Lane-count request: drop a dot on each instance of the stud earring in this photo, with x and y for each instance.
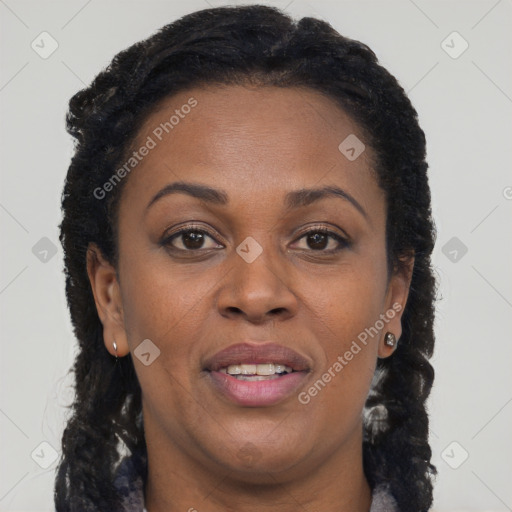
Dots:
(390, 339)
(114, 344)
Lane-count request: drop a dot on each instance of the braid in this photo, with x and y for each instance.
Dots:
(396, 450)
(262, 46)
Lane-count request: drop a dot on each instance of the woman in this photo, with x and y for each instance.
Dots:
(247, 235)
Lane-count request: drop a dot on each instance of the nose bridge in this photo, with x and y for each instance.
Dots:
(257, 285)
(256, 264)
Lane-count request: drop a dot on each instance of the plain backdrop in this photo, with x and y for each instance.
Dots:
(453, 58)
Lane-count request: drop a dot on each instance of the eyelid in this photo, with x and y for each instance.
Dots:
(324, 228)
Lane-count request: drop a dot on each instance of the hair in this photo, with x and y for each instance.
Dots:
(261, 46)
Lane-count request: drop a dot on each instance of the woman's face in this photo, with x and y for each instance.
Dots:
(255, 284)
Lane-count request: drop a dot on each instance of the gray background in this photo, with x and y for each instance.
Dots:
(464, 102)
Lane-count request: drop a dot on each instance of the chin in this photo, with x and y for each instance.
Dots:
(260, 463)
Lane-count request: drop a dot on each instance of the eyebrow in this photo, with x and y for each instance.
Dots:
(294, 199)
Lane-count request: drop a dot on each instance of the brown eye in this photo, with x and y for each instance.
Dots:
(190, 240)
(193, 239)
(317, 240)
(321, 240)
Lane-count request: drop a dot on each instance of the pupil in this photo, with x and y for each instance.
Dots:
(319, 241)
(193, 240)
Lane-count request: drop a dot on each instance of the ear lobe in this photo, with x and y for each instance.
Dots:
(396, 300)
(107, 297)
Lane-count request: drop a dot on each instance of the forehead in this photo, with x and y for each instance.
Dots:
(245, 138)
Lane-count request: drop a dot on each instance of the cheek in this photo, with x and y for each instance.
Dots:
(348, 300)
(159, 299)
(164, 305)
(341, 385)
(346, 311)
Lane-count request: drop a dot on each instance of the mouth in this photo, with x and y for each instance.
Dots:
(256, 375)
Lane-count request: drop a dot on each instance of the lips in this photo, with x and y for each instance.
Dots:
(261, 353)
(257, 391)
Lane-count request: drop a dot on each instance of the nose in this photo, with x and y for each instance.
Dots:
(258, 291)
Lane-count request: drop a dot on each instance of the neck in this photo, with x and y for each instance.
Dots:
(177, 482)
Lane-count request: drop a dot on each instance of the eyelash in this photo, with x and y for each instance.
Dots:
(343, 242)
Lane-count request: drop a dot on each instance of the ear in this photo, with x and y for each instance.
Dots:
(107, 296)
(396, 299)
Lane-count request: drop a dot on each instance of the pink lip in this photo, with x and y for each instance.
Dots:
(255, 353)
(260, 393)
(257, 393)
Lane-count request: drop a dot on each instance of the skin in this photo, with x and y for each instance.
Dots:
(256, 144)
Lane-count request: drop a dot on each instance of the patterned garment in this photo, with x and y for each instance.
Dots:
(132, 490)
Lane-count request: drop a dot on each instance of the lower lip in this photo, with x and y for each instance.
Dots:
(260, 393)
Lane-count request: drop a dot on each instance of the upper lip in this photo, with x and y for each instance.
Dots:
(256, 353)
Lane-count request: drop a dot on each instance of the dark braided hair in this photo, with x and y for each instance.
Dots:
(239, 45)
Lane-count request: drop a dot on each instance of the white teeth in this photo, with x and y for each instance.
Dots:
(234, 369)
(248, 369)
(265, 369)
